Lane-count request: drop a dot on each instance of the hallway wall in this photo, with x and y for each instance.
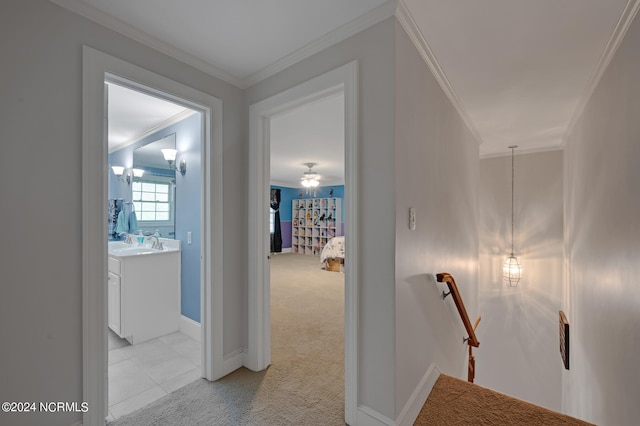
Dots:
(444, 193)
(518, 334)
(41, 114)
(602, 237)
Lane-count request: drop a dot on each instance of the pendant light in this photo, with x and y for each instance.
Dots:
(511, 270)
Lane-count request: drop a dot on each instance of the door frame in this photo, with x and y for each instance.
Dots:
(97, 68)
(344, 78)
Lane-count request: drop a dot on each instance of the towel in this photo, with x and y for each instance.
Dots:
(122, 225)
(133, 223)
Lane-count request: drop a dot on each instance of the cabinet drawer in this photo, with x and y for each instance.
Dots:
(114, 265)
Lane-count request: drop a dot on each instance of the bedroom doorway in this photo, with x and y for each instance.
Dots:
(340, 83)
(307, 295)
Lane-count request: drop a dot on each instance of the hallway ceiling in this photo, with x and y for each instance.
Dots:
(517, 70)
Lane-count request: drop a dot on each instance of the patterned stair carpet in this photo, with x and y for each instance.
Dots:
(304, 384)
(455, 402)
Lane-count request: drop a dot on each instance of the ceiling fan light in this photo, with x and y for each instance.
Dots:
(310, 179)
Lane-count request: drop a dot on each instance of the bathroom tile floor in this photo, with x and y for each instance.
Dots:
(140, 374)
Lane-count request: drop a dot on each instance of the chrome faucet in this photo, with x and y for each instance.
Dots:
(127, 239)
(156, 244)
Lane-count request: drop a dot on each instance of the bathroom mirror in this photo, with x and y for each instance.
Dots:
(154, 193)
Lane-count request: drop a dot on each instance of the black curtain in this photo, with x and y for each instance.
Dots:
(276, 238)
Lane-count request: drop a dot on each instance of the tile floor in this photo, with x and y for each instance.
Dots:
(142, 373)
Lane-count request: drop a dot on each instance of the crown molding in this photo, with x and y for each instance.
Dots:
(411, 28)
(379, 14)
(156, 128)
(96, 15)
(626, 18)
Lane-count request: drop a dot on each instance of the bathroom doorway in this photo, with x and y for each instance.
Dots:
(98, 69)
(154, 255)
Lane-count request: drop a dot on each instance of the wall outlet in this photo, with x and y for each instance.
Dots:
(412, 219)
(189, 238)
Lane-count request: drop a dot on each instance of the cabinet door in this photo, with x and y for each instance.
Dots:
(113, 297)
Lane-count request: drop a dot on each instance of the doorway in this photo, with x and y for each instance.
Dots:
(307, 296)
(153, 298)
(343, 79)
(98, 68)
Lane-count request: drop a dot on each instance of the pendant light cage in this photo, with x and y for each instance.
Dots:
(512, 270)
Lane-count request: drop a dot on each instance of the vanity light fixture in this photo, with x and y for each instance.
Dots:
(120, 171)
(137, 172)
(170, 155)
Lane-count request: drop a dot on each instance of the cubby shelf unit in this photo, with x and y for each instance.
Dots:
(315, 222)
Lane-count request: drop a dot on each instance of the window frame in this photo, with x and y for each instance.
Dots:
(171, 194)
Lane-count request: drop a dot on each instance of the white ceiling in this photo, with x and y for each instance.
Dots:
(312, 133)
(517, 70)
(133, 114)
(519, 67)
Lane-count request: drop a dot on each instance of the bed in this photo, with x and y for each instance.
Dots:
(334, 250)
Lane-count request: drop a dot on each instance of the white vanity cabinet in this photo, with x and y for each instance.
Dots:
(113, 302)
(144, 295)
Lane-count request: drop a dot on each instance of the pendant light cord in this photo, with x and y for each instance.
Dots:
(512, 185)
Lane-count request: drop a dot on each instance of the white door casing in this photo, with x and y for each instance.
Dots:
(98, 68)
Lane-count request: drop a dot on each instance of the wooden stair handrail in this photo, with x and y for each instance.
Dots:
(445, 277)
(471, 330)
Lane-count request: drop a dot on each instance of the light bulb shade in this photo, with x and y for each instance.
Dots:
(117, 170)
(137, 172)
(169, 154)
(309, 183)
(511, 271)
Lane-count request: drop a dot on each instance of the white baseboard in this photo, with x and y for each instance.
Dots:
(190, 328)
(235, 360)
(284, 250)
(365, 416)
(411, 409)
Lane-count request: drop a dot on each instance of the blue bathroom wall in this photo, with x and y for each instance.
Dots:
(188, 210)
(188, 201)
(289, 194)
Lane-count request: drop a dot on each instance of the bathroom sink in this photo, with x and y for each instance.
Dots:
(121, 249)
(130, 251)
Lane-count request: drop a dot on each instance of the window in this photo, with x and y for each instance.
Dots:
(152, 201)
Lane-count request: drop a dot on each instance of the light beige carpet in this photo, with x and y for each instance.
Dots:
(454, 402)
(304, 384)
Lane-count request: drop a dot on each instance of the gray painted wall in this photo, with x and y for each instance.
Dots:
(519, 328)
(40, 130)
(602, 231)
(436, 170)
(373, 48)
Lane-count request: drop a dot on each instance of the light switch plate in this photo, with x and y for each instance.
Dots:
(189, 238)
(412, 219)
